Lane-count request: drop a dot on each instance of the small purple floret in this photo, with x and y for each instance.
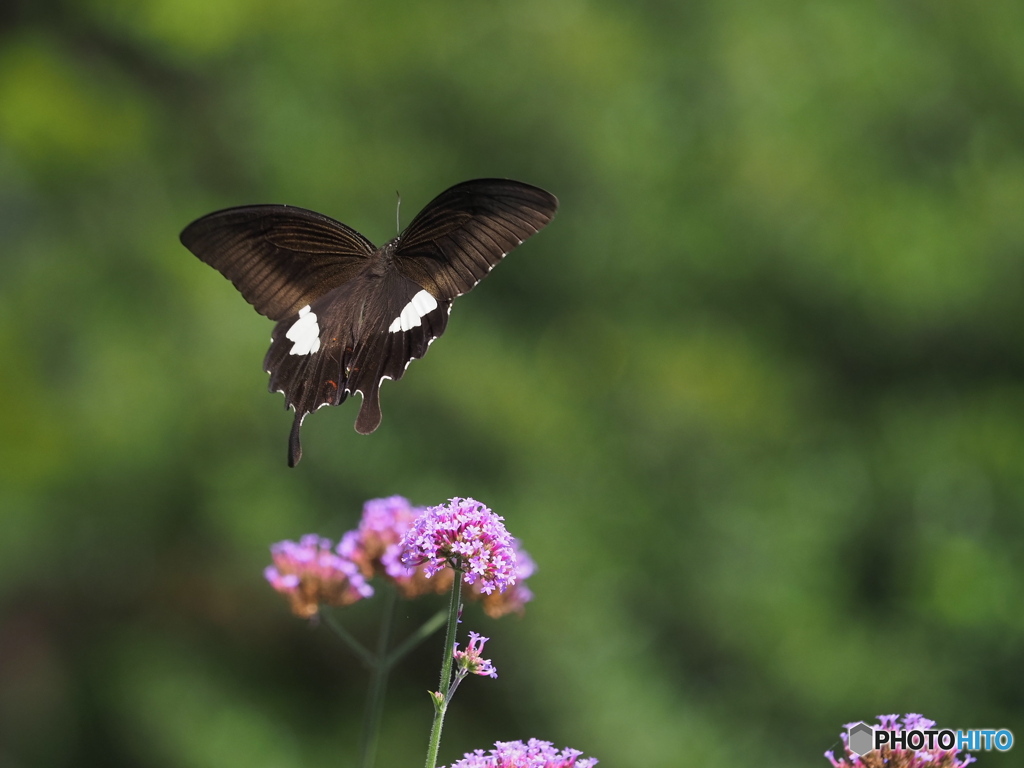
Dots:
(471, 660)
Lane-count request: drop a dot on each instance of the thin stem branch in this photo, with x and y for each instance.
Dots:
(354, 645)
(430, 626)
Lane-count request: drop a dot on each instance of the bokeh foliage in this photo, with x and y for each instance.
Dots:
(753, 402)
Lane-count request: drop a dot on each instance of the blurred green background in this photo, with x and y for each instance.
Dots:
(753, 401)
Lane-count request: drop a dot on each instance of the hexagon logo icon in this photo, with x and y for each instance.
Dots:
(861, 738)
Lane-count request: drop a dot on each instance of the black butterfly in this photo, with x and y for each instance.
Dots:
(350, 315)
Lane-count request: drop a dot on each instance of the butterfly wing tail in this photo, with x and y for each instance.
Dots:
(294, 446)
(369, 413)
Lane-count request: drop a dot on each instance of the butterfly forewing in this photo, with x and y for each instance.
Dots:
(351, 315)
(457, 239)
(279, 257)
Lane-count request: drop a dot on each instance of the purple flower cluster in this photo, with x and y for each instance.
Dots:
(309, 574)
(887, 757)
(470, 659)
(466, 536)
(516, 754)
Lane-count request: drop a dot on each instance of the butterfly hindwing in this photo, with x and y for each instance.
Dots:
(465, 231)
(279, 257)
(365, 330)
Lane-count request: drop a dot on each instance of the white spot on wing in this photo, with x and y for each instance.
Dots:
(413, 312)
(305, 332)
(430, 341)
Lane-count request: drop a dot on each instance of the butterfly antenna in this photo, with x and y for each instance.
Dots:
(398, 212)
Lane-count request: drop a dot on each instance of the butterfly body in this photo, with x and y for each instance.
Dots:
(350, 315)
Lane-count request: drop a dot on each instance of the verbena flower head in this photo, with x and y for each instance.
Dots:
(532, 754)
(309, 574)
(887, 757)
(467, 536)
(470, 659)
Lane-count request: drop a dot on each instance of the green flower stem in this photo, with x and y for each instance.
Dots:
(378, 684)
(441, 703)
